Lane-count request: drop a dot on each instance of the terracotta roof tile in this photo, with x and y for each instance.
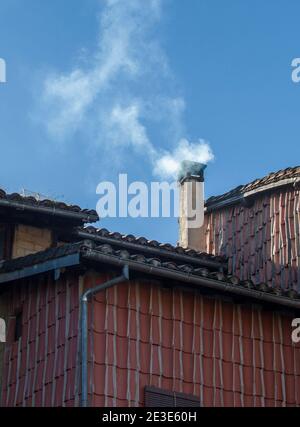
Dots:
(163, 248)
(187, 270)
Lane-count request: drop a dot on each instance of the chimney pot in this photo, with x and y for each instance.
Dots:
(190, 169)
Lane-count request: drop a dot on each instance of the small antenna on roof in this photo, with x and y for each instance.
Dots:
(39, 197)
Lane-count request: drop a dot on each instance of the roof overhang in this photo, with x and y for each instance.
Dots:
(216, 282)
(51, 265)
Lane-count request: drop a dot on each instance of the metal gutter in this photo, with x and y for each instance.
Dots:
(195, 281)
(84, 327)
(49, 211)
(224, 203)
(154, 251)
(54, 264)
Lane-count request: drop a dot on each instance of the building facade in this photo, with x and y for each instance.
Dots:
(187, 329)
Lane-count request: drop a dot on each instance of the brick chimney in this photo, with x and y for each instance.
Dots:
(191, 204)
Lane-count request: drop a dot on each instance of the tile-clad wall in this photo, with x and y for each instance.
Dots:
(5, 310)
(40, 369)
(143, 334)
(262, 242)
(223, 353)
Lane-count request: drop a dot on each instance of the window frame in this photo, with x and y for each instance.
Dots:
(170, 397)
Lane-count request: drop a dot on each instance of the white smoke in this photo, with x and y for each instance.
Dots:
(124, 90)
(168, 165)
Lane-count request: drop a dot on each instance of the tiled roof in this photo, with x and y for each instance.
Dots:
(45, 206)
(189, 272)
(143, 244)
(272, 178)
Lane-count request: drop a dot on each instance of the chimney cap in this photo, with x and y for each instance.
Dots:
(190, 169)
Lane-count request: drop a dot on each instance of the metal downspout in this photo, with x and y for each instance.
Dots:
(84, 328)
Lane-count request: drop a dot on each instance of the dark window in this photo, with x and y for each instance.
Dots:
(2, 242)
(6, 234)
(18, 326)
(156, 397)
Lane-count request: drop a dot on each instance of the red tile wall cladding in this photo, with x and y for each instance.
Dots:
(262, 243)
(41, 367)
(143, 334)
(226, 354)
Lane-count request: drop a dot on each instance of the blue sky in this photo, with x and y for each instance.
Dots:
(99, 87)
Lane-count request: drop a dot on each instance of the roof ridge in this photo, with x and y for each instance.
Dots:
(272, 177)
